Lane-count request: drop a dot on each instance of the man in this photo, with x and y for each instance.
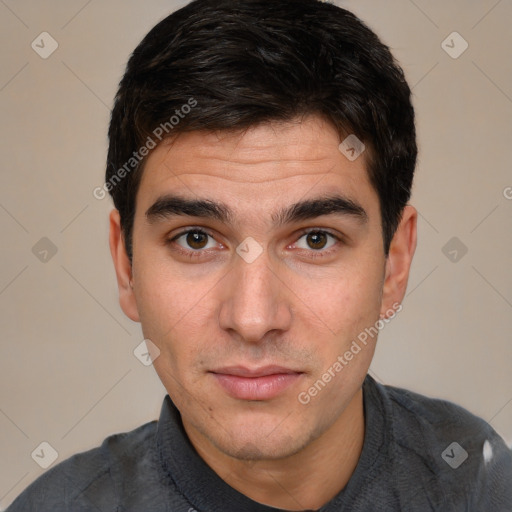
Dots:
(261, 159)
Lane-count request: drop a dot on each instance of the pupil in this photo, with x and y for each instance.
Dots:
(317, 239)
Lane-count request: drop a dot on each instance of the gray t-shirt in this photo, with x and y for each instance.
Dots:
(419, 454)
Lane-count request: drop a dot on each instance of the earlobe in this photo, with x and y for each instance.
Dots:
(123, 268)
(399, 260)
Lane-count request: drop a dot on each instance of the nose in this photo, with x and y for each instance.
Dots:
(255, 300)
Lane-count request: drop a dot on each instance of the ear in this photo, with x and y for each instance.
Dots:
(398, 263)
(123, 268)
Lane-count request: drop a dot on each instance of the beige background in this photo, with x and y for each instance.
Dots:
(68, 375)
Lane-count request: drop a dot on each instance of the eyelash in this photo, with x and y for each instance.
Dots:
(198, 253)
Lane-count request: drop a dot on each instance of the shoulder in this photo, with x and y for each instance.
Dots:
(463, 455)
(89, 479)
(435, 419)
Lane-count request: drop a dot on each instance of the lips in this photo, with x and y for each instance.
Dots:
(262, 383)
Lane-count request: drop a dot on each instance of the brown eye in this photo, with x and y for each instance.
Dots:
(194, 240)
(316, 239)
(197, 239)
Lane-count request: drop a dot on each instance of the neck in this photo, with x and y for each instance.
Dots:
(306, 480)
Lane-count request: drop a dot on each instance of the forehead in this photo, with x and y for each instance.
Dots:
(263, 164)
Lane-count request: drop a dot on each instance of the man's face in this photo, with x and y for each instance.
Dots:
(242, 334)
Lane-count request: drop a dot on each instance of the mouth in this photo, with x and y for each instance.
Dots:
(262, 383)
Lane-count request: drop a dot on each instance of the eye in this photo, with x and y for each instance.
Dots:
(317, 240)
(194, 239)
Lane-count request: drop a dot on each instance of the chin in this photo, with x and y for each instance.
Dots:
(261, 441)
(262, 449)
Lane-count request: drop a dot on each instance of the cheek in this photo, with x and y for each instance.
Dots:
(343, 300)
(171, 319)
(344, 352)
(164, 296)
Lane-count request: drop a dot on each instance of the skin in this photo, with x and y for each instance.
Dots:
(285, 308)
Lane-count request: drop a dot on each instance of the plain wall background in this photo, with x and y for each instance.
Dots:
(68, 375)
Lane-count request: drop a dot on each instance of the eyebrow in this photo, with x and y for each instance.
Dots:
(169, 206)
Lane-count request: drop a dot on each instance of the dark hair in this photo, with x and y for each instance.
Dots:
(231, 64)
